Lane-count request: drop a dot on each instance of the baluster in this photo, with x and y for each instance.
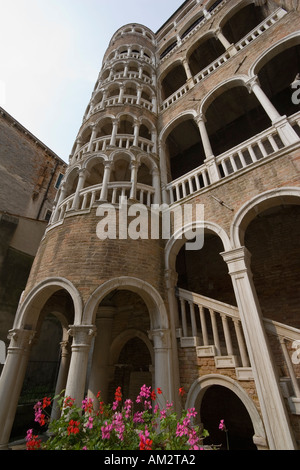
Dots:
(93, 198)
(203, 325)
(227, 334)
(193, 318)
(241, 342)
(215, 332)
(183, 317)
(83, 205)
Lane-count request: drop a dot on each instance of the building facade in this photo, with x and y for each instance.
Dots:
(199, 119)
(30, 174)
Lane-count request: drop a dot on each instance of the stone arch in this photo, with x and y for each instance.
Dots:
(277, 47)
(188, 114)
(28, 312)
(179, 239)
(200, 386)
(154, 302)
(238, 80)
(123, 338)
(285, 195)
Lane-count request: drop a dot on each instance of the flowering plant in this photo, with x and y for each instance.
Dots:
(119, 426)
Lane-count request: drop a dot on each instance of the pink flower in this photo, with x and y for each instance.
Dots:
(222, 426)
(106, 430)
(89, 424)
(118, 425)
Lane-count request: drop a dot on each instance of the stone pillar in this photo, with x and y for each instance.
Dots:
(101, 370)
(134, 170)
(114, 132)
(81, 180)
(106, 179)
(163, 172)
(163, 363)
(156, 185)
(12, 378)
(93, 136)
(82, 339)
(229, 47)
(62, 377)
(210, 158)
(285, 130)
(276, 422)
(171, 277)
(62, 195)
(190, 80)
(136, 130)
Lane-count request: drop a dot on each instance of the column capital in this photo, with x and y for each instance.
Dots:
(238, 260)
(20, 338)
(251, 82)
(82, 334)
(161, 338)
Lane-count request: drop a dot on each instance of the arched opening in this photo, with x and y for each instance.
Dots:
(95, 170)
(277, 85)
(184, 148)
(122, 353)
(204, 53)
(175, 79)
(132, 370)
(121, 169)
(234, 116)
(204, 271)
(243, 21)
(219, 403)
(44, 364)
(273, 241)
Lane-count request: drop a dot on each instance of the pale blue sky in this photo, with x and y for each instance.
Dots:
(51, 53)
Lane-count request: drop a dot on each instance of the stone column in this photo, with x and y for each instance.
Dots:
(210, 158)
(82, 339)
(81, 180)
(136, 130)
(190, 80)
(62, 377)
(285, 130)
(156, 185)
(229, 47)
(93, 136)
(101, 370)
(106, 179)
(62, 195)
(171, 277)
(114, 132)
(163, 363)
(279, 433)
(134, 170)
(12, 378)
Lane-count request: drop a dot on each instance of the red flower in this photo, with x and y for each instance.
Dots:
(146, 444)
(153, 395)
(159, 391)
(118, 394)
(73, 427)
(181, 391)
(46, 402)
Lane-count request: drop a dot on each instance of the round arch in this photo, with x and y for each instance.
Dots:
(154, 302)
(28, 312)
(271, 198)
(238, 80)
(180, 237)
(200, 386)
(291, 40)
(120, 341)
(184, 116)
